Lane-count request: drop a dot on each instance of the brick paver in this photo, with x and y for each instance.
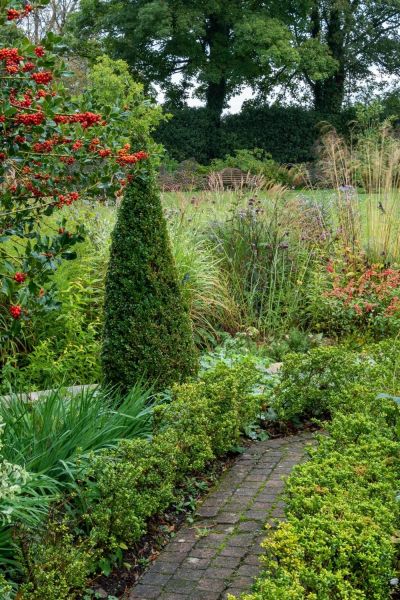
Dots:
(219, 553)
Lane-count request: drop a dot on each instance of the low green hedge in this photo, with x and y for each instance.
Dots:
(124, 487)
(342, 505)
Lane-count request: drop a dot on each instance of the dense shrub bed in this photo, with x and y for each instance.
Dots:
(342, 505)
(113, 492)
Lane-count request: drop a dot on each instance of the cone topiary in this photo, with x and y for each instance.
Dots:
(147, 330)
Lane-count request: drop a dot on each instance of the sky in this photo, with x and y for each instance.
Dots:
(234, 105)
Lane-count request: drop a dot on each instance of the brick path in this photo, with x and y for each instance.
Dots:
(219, 553)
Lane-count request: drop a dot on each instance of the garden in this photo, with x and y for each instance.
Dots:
(180, 287)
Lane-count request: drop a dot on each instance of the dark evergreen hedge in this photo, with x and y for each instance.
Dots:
(147, 331)
(287, 133)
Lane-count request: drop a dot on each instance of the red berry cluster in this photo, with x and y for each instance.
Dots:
(26, 102)
(104, 152)
(15, 311)
(10, 54)
(13, 14)
(36, 118)
(39, 51)
(42, 77)
(67, 199)
(44, 147)
(124, 158)
(20, 277)
(86, 119)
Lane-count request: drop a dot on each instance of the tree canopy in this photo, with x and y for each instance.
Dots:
(363, 41)
(215, 47)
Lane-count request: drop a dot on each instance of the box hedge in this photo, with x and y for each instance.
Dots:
(342, 505)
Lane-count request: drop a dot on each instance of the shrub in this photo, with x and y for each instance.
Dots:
(317, 383)
(147, 331)
(53, 149)
(216, 409)
(132, 483)
(256, 162)
(139, 479)
(289, 134)
(342, 505)
(354, 302)
(342, 514)
(177, 134)
(57, 567)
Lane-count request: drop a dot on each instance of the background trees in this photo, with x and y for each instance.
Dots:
(363, 42)
(217, 46)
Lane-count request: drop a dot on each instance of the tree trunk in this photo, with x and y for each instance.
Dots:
(329, 93)
(217, 44)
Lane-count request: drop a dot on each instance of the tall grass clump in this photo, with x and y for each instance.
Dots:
(204, 287)
(266, 257)
(365, 175)
(55, 433)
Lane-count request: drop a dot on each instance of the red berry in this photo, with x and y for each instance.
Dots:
(15, 311)
(20, 277)
(43, 77)
(39, 51)
(12, 14)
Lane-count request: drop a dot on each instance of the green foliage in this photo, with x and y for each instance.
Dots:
(221, 48)
(342, 505)
(56, 433)
(24, 500)
(257, 162)
(132, 483)
(110, 83)
(147, 331)
(330, 33)
(313, 384)
(294, 340)
(265, 261)
(204, 289)
(64, 348)
(186, 135)
(288, 134)
(139, 479)
(48, 447)
(57, 567)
